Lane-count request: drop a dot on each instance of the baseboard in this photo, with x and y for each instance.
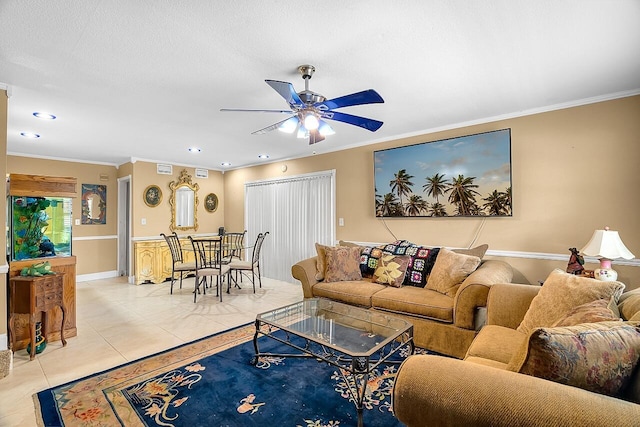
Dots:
(4, 339)
(97, 276)
(6, 362)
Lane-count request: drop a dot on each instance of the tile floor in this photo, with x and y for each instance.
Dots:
(118, 322)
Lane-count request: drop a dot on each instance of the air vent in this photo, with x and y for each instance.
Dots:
(202, 173)
(164, 169)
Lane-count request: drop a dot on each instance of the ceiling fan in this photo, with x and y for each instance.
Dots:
(310, 110)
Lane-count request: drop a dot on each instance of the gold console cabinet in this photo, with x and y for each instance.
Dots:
(153, 260)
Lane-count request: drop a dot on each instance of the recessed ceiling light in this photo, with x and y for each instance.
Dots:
(263, 156)
(225, 164)
(195, 149)
(45, 116)
(29, 135)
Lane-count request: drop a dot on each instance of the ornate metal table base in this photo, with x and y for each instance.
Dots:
(354, 365)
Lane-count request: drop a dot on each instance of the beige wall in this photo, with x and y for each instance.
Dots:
(94, 245)
(573, 172)
(158, 219)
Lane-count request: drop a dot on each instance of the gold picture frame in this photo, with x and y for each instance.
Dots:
(152, 196)
(211, 202)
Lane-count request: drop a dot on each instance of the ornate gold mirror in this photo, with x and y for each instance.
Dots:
(184, 203)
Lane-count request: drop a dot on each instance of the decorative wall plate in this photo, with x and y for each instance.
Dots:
(152, 196)
(211, 202)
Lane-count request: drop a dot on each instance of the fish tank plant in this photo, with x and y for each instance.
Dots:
(40, 227)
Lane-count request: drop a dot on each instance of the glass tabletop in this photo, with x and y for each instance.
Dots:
(349, 329)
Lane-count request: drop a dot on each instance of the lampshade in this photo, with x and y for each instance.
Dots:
(606, 244)
(289, 126)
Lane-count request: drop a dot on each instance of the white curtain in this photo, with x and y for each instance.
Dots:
(297, 212)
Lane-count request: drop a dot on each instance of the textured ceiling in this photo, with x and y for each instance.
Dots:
(146, 79)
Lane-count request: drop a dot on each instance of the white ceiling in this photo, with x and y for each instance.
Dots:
(145, 79)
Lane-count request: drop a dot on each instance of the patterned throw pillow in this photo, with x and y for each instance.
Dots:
(391, 270)
(399, 247)
(343, 264)
(561, 293)
(369, 260)
(421, 260)
(420, 265)
(600, 357)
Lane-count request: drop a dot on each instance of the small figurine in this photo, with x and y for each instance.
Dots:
(576, 262)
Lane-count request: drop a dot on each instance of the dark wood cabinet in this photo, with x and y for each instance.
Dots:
(34, 295)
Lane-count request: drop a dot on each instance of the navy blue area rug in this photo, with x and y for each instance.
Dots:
(211, 382)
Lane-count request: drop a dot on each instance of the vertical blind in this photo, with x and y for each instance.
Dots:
(297, 212)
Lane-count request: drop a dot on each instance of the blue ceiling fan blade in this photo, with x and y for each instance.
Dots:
(286, 90)
(365, 97)
(363, 122)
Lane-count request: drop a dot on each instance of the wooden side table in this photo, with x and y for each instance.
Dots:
(32, 295)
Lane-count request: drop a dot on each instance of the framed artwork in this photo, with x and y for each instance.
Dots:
(94, 204)
(467, 176)
(211, 202)
(152, 196)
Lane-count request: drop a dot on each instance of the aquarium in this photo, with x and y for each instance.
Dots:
(39, 227)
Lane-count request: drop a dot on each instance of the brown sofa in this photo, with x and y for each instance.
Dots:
(442, 323)
(481, 390)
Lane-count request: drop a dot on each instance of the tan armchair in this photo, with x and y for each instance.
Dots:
(439, 391)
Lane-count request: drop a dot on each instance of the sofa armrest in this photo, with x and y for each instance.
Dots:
(507, 303)
(305, 272)
(440, 391)
(474, 290)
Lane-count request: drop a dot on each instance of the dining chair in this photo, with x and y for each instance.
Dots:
(209, 264)
(178, 265)
(233, 244)
(253, 265)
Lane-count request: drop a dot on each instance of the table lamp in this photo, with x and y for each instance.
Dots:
(607, 245)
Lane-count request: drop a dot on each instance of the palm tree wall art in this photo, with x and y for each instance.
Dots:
(457, 177)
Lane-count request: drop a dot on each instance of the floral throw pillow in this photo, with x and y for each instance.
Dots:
(391, 270)
(342, 264)
(599, 357)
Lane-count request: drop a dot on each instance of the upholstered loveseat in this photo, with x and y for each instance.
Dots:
(445, 321)
(520, 372)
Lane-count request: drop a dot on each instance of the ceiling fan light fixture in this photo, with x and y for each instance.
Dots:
(289, 126)
(311, 122)
(324, 129)
(302, 133)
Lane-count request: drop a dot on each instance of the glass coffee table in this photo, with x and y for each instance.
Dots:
(353, 339)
